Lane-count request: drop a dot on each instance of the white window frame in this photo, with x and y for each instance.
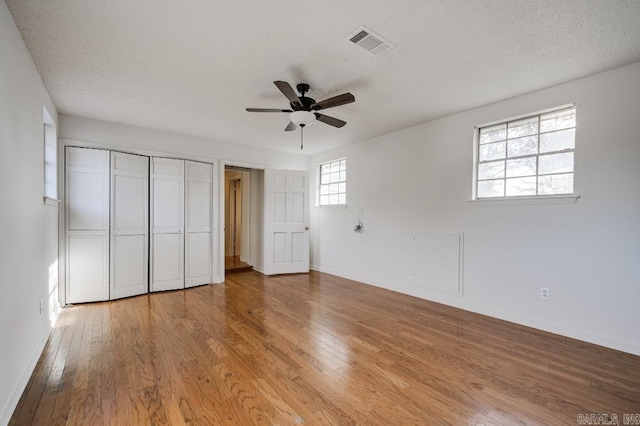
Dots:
(328, 184)
(50, 160)
(517, 199)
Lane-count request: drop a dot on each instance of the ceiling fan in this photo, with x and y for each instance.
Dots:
(303, 109)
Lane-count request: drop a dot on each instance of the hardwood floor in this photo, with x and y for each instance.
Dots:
(234, 264)
(313, 349)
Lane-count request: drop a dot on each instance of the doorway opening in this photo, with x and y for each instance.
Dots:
(242, 222)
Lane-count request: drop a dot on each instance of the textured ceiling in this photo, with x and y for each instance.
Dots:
(192, 66)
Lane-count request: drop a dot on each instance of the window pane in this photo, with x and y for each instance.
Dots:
(491, 188)
(523, 146)
(528, 156)
(556, 184)
(528, 126)
(558, 120)
(493, 134)
(492, 151)
(558, 141)
(495, 169)
(333, 187)
(556, 163)
(521, 167)
(521, 186)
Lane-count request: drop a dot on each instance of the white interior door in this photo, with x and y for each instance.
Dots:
(167, 224)
(199, 208)
(87, 227)
(286, 242)
(129, 225)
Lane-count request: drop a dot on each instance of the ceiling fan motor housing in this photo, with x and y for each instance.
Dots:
(306, 104)
(305, 101)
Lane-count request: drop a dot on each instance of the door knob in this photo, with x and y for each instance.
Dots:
(306, 228)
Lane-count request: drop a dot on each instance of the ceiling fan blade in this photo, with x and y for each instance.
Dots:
(345, 98)
(267, 110)
(331, 121)
(288, 91)
(290, 127)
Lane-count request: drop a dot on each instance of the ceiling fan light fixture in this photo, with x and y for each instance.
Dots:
(302, 118)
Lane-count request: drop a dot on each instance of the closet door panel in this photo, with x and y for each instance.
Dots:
(88, 268)
(129, 225)
(199, 208)
(199, 260)
(167, 224)
(87, 224)
(168, 262)
(86, 195)
(130, 204)
(129, 265)
(168, 205)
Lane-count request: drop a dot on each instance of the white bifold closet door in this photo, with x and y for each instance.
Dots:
(198, 213)
(87, 224)
(129, 225)
(167, 224)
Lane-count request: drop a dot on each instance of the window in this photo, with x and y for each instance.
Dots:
(531, 156)
(333, 183)
(50, 159)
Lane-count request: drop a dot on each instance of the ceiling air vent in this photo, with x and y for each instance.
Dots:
(370, 41)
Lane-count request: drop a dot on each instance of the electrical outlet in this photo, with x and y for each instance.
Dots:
(544, 293)
(41, 305)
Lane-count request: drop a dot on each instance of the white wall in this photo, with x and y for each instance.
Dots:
(87, 132)
(587, 253)
(28, 228)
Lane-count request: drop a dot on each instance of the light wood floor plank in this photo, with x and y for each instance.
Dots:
(313, 349)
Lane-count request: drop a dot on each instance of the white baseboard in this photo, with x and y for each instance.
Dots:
(557, 329)
(10, 406)
(572, 333)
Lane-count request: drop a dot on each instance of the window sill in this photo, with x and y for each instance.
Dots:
(523, 201)
(48, 201)
(333, 207)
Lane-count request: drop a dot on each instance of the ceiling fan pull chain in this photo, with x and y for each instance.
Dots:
(301, 136)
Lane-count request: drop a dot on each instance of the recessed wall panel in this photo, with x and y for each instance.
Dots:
(437, 260)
